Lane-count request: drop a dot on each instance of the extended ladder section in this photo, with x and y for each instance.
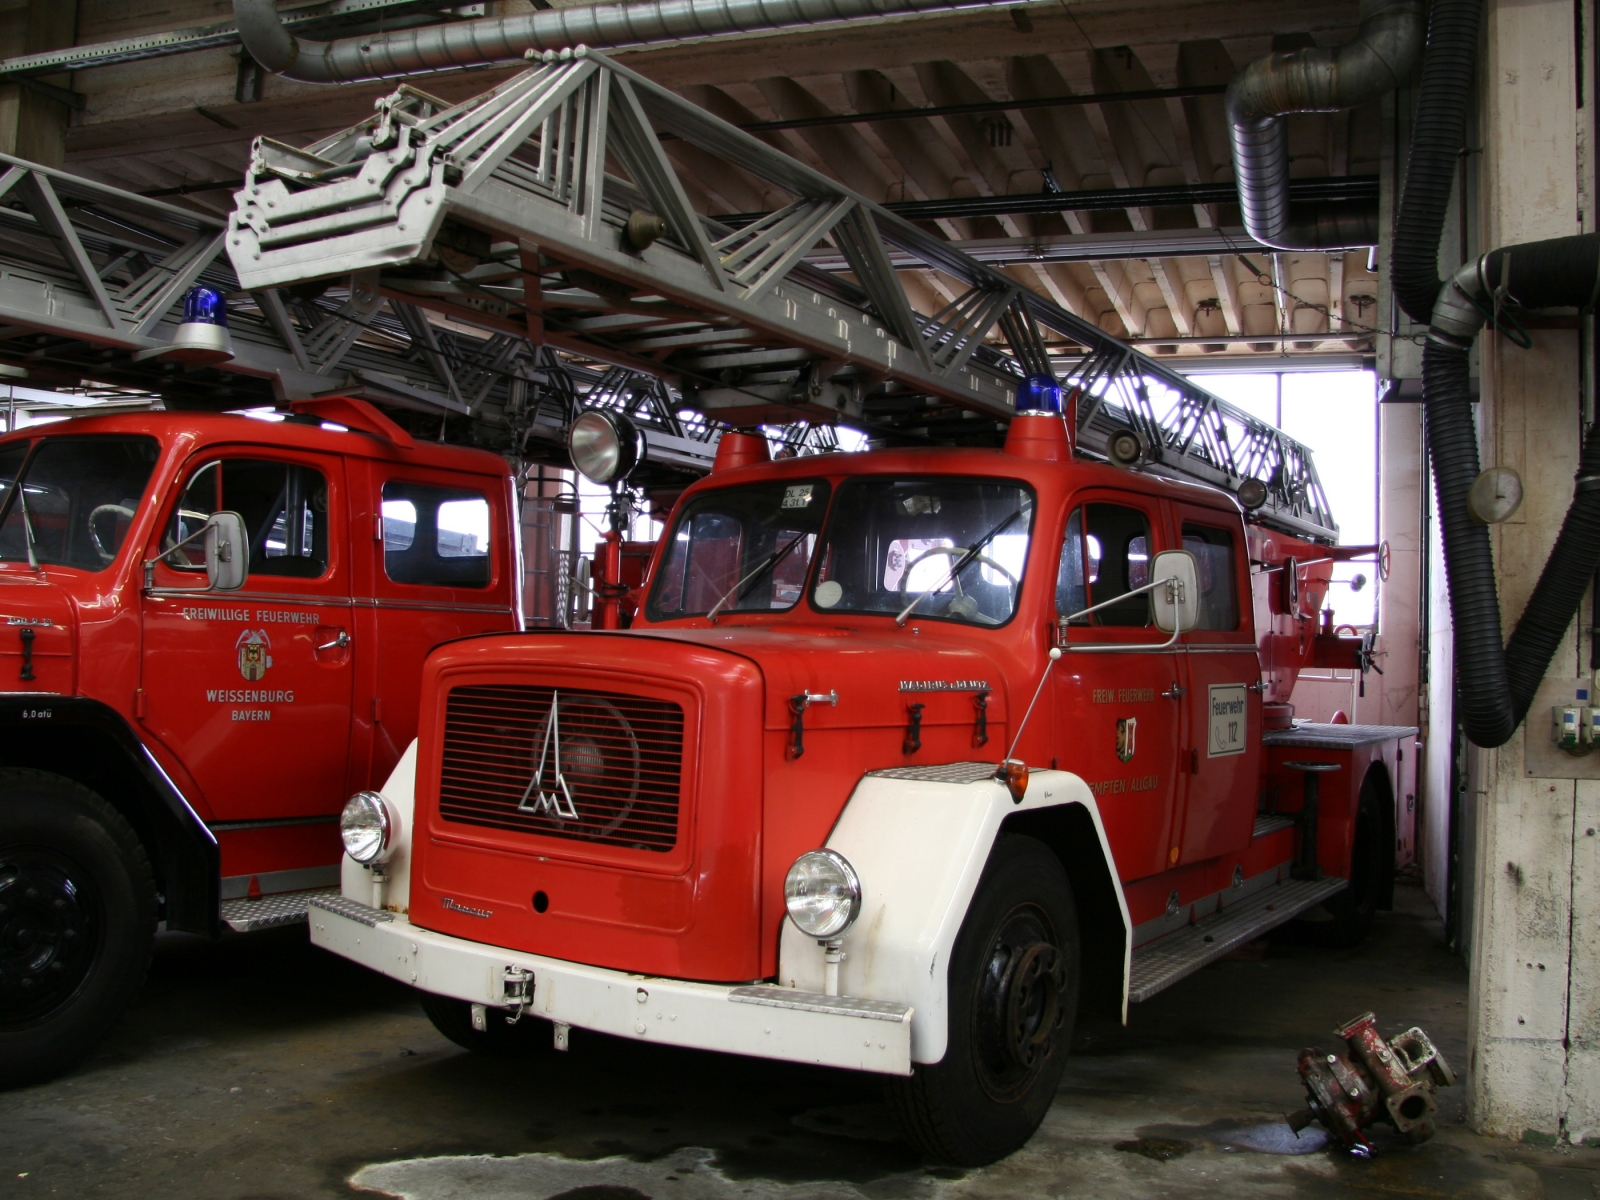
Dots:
(553, 208)
(92, 283)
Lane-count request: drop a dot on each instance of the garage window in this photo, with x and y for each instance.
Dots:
(435, 536)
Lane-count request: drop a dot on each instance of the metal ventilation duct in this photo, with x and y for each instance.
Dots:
(506, 39)
(1317, 79)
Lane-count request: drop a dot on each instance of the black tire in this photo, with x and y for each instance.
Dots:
(528, 1037)
(1015, 975)
(1350, 915)
(77, 921)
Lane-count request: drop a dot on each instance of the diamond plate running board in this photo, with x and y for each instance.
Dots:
(1163, 962)
(286, 908)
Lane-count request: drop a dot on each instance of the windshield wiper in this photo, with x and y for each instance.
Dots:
(761, 568)
(959, 565)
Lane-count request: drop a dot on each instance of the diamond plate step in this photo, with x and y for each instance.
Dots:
(286, 908)
(1161, 963)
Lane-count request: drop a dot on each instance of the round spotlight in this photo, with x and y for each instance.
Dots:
(1127, 448)
(368, 827)
(1252, 494)
(823, 893)
(603, 445)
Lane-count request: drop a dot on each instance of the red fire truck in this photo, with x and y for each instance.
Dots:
(211, 629)
(905, 756)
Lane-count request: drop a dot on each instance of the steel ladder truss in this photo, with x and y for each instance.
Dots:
(551, 207)
(92, 280)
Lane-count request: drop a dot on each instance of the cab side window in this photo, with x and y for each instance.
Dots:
(1214, 561)
(285, 511)
(1105, 554)
(435, 536)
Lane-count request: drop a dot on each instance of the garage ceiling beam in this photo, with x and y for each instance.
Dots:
(1347, 188)
(978, 108)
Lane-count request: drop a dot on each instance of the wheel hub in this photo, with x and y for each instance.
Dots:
(46, 942)
(1033, 1003)
(1020, 1008)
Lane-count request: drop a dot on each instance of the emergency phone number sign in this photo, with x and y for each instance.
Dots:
(1230, 713)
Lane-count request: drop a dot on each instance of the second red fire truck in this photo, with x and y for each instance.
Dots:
(907, 755)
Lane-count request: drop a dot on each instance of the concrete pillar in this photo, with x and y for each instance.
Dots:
(33, 125)
(1534, 1020)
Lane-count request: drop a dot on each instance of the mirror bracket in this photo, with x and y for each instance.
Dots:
(224, 535)
(1176, 587)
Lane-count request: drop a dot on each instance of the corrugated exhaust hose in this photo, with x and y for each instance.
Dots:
(1495, 680)
(490, 40)
(1438, 137)
(1316, 79)
(1496, 683)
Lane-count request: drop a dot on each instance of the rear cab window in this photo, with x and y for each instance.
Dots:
(436, 536)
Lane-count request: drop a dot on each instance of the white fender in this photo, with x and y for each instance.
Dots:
(920, 843)
(355, 881)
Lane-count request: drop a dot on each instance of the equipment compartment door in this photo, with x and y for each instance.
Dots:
(1117, 711)
(251, 690)
(1223, 676)
(441, 568)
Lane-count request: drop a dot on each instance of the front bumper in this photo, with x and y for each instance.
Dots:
(764, 1022)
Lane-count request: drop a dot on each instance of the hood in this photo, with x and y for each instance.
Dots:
(876, 675)
(37, 631)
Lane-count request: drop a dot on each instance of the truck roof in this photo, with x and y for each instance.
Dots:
(931, 460)
(236, 428)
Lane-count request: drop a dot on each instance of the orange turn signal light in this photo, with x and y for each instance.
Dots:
(1014, 774)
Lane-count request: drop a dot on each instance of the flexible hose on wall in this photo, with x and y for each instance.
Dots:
(1437, 139)
(1496, 682)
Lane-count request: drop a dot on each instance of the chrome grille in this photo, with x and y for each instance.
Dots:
(563, 762)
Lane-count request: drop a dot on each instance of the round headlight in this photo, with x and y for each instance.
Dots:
(367, 827)
(823, 893)
(603, 445)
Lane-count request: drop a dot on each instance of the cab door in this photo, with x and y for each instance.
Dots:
(1223, 678)
(251, 690)
(1117, 699)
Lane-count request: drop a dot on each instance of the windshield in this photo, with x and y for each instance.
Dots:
(77, 500)
(740, 549)
(893, 543)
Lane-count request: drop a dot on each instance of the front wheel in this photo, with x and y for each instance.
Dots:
(1014, 982)
(77, 922)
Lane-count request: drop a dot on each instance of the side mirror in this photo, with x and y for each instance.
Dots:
(227, 552)
(1175, 591)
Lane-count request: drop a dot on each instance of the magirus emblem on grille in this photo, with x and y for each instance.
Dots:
(555, 801)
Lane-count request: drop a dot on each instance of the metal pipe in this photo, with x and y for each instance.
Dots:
(1316, 79)
(507, 39)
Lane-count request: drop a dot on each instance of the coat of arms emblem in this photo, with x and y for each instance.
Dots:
(1127, 727)
(254, 653)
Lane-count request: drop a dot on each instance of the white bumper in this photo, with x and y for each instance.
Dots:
(764, 1022)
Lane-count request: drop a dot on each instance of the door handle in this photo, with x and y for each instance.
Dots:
(338, 643)
(1174, 692)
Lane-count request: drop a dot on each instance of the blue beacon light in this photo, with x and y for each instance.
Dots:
(1039, 393)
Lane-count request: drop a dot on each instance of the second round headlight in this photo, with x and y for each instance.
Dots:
(367, 827)
(823, 893)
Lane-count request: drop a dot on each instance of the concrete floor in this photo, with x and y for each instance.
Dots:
(261, 1068)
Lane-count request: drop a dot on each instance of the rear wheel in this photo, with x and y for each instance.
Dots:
(1014, 982)
(1347, 918)
(77, 920)
(453, 1018)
